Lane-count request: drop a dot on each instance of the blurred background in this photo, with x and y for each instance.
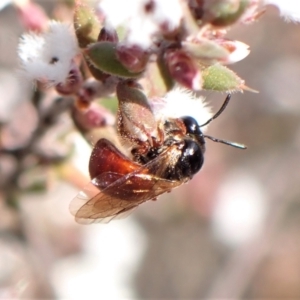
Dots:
(232, 232)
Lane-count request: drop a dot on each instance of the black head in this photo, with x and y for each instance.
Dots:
(191, 125)
(193, 130)
(192, 152)
(193, 147)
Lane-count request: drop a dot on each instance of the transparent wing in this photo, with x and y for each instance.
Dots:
(92, 205)
(112, 195)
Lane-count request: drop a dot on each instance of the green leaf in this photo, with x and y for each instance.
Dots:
(97, 74)
(103, 56)
(222, 79)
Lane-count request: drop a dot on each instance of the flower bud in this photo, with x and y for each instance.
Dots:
(93, 89)
(223, 13)
(86, 24)
(72, 83)
(93, 117)
(32, 16)
(196, 8)
(134, 58)
(108, 35)
(86, 94)
(184, 69)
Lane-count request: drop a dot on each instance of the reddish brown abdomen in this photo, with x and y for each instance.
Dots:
(106, 157)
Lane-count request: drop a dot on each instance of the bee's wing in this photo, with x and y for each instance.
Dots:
(92, 205)
(122, 193)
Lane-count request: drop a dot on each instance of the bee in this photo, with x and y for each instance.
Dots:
(120, 184)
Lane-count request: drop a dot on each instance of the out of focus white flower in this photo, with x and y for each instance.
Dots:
(108, 265)
(240, 209)
(181, 102)
(4, 3)
(142, 19)
(10, 89)
(48, 57)
(289, 9)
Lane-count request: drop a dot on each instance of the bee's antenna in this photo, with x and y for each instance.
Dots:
(236, 145)
(219, 111)
(232, 144)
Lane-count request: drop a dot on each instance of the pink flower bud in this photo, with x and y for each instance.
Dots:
(183, 69)
(93, 89)
(85, 96)
(108, 35)
(134, 58)
(196, 8)
(72, 83)
(32, 16)
(94, 117)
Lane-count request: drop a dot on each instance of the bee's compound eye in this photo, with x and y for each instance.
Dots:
(191, 125)
(191, 159)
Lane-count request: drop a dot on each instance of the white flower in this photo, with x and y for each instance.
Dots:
(117, 12)
(142, 19)
(289, 9)
(5, 3)
(240, 209)
(181, 102)
(48, 57)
